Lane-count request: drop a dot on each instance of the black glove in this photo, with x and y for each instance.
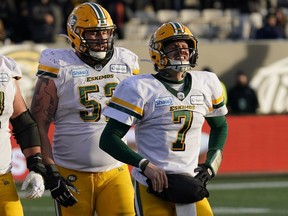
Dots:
(205, 173)
(59, 187)
(34, 163)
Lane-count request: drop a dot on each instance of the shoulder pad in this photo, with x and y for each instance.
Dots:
(130, 57)
(51, 60)
(11, 67)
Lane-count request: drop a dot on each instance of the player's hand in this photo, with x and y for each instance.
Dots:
(37, 185)
(36, 176)
(157, 176)
(59, 187)
(205, 173)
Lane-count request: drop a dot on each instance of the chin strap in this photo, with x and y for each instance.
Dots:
(178, 66)
(98, 55)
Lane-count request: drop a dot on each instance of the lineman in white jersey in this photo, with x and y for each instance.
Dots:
(168, 110)
(73, 87)
(13, 109)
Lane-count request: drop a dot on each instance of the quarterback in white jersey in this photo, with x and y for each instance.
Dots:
(73, 87)
(167, 123)
(168, 110)
(13, 110)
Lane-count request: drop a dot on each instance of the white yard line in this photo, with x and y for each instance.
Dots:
(222, 186)
(245, 210)
(240, 210)
(248, 185)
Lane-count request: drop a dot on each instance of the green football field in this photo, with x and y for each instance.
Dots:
(229, 196)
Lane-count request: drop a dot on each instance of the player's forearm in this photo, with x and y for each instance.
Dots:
(43, 108)
(218, 133)
(217, 140)
(111, 142)
(31, 151)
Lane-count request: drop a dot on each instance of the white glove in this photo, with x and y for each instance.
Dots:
(37, 185)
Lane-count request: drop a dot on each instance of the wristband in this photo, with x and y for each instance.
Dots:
(143, 165)
(34, 163)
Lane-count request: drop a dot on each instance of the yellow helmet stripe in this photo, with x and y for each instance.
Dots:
(99, 13)
(178, 28)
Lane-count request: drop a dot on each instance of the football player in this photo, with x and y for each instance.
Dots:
(72, 89)
(168, 110)
(25, 131)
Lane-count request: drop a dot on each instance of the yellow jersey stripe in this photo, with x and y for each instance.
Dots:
(136, 71)
(218, 100)
(132, 107)
(48, 69)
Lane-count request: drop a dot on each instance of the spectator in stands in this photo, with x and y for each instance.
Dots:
(242, 99)
(42, 21)
(2, 31)
(7, 19)
(119, 13)
(66, 7)
(161, 4)
(270, 29)
(281, 18)
(21, 30)
(248, 25)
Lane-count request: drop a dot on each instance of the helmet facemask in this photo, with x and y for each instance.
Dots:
(177, 63)
(98, 48)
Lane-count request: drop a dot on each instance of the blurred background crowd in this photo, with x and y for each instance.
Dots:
(41, 21)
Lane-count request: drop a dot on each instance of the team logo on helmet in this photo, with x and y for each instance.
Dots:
(72, 21)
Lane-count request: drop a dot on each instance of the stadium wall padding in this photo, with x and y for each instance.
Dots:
(256, 144)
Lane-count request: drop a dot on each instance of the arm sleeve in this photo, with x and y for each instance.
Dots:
(111, 142)
(25, 130)
(218, 135)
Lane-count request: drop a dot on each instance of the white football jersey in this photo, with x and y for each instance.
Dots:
(167, 123)
(83, 93)
(9, 70)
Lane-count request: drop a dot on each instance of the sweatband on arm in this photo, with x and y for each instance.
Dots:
(217, 140)
(112, 143)
(25, 130)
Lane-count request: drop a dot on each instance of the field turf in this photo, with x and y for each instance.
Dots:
(229, 196)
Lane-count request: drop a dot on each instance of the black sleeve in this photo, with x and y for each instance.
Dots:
(25, 130)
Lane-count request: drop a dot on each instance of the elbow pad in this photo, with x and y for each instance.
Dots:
(25, 130)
